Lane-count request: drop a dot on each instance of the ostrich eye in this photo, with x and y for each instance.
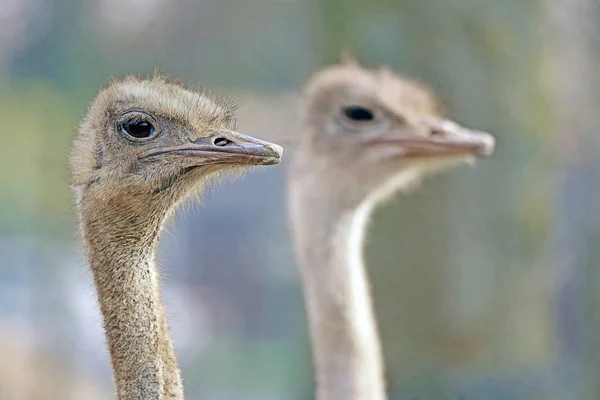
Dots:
(358, 113)
(139, 129)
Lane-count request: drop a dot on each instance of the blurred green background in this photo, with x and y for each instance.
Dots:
(485, 281)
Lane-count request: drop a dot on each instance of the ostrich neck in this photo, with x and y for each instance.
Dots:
(120, 247)
(329, 244)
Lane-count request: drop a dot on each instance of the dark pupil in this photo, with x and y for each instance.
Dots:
(138, 129)
(357, 113)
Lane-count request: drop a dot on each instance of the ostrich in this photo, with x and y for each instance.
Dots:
(368, 133)
(145, 146)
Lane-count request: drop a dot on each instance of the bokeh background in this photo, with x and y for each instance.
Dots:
(486, 281)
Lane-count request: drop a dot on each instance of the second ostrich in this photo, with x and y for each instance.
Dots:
(143, 148)
(367, 134)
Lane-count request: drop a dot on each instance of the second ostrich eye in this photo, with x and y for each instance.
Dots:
(358, 114)
(139, 129)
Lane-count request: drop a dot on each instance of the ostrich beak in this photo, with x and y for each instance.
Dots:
(226, 147)
(446, 138)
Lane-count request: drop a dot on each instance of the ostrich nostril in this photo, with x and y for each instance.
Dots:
(221, 141)
(436, 132)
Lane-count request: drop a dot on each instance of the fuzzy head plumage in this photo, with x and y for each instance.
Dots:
(153, 140)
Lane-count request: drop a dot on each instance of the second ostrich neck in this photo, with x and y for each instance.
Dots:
(121, 242)
(329, 240)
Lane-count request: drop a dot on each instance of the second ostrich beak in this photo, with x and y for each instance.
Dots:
(444, 138)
